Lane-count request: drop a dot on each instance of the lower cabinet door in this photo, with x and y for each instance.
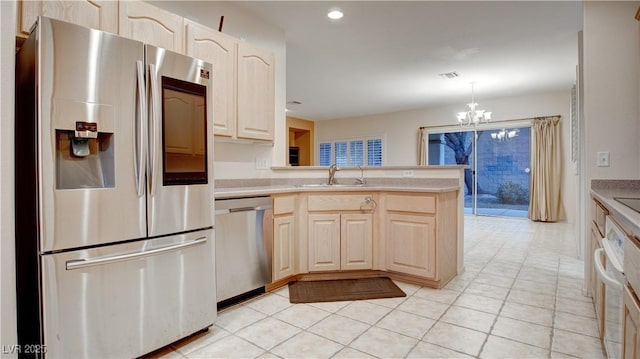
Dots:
(356, 240)
(324, 242)
(411, 246)
(631, 325)
(283, 247)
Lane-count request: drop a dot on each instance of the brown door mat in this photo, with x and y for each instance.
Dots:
(343, 289)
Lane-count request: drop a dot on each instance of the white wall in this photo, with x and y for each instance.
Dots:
(400, 130)
(8, 334)
(611, 89)
(237, 160)
(611, 96)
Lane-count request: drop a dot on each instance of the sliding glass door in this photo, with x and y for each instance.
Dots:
(497, 181)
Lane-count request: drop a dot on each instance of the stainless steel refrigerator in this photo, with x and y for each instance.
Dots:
(114, 194)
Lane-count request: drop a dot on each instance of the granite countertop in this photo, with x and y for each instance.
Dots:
(245, 188)
(605, 191)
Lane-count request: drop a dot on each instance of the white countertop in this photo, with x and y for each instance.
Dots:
(232, 192)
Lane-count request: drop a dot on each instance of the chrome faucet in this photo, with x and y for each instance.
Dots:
(332, 173)
(361, 179)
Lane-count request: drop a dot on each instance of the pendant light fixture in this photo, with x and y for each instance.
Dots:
(505, 135)
(474, 116)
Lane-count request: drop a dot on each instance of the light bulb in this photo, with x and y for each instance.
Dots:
(335, 14)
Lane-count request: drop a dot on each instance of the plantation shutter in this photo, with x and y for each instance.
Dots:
(325, 154)
(356, 153)
(374, 152)
(341, 153)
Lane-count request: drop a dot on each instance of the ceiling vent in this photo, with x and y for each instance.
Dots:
(449, 75)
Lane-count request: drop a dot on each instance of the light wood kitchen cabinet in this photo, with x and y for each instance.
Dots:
(409, 236)
(244, 74)
(630, 325)
(356, 241)
(220, 50)
(324, 242)
(340, 232)
(284, 237)
(154, 26)
(420, 235)
(97, 14)
(411, 244)
(256, 93)
(599, 217)
(597, 286)
(244, 83)
(340, 241)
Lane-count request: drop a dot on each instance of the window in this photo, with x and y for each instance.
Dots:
(374, 152)
(341, 153)
(325, 154)
(356, 153)
(352, 152)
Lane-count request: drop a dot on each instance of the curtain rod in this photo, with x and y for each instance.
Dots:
(513, 120)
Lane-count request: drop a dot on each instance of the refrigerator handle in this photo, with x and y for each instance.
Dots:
(153, 110)
(140, 157)
(83, 263)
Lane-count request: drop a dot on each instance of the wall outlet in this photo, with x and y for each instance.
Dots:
(407, 173)
(603, 159)
(262, 163)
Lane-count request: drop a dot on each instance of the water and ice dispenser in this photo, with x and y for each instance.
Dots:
(84, 152)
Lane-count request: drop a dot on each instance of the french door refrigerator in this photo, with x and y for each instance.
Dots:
(114, 194)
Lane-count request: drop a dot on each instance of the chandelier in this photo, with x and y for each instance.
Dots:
(473, 116)
(504, 135)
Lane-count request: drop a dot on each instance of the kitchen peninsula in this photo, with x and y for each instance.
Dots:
(402, 222)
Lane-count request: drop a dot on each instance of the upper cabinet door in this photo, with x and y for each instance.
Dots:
(256, 93)
(220, 50)
(98, 14)
(151, 25)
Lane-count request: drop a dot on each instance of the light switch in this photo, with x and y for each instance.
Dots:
(603, 159)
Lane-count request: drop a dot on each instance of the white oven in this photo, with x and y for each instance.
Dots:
(612, 274)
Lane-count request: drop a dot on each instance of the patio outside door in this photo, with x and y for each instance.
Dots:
(497, 182)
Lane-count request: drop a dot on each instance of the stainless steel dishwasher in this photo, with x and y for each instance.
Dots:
(244, 242)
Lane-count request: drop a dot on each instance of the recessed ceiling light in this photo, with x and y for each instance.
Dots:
(335, 14)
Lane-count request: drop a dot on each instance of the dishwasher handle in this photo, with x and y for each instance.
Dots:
(241, 209)
(598, 254)
(248, 204)
(247, 209)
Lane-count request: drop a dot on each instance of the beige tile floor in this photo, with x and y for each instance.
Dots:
(520, 297)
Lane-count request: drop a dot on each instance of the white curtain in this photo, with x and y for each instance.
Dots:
(545, 203)
(422, 146)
